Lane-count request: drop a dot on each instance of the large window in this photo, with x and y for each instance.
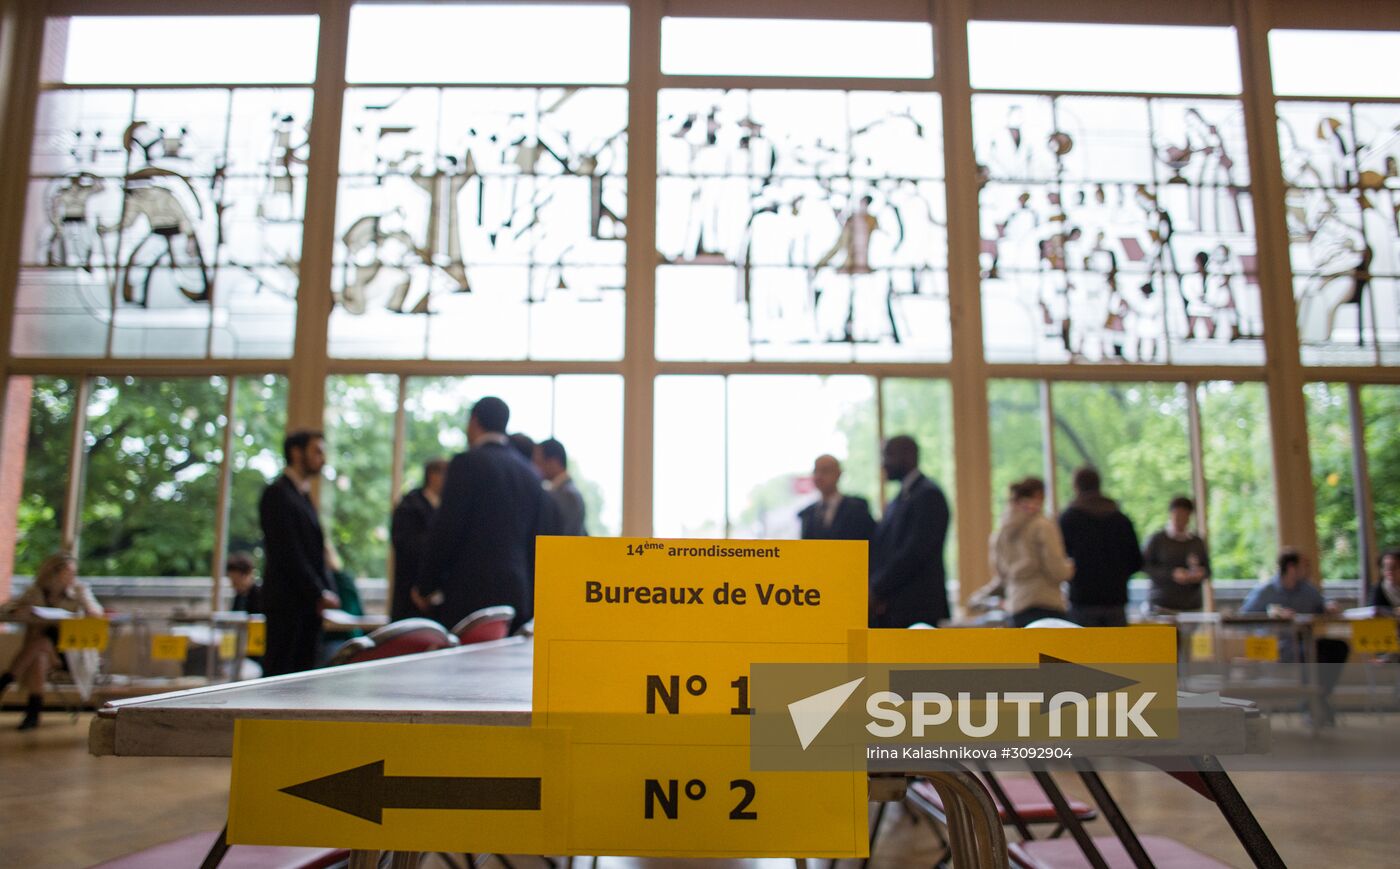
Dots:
(1135, 434)
(1113, 228)
(151, 482)
(163, 220)
(1016, 419)
(481, 222)
(584, 412)
(801, 225)
(1237, 465)
(1334, 483)
(39, 531)
(1340, 166)
(1382, 409)
(734, 455)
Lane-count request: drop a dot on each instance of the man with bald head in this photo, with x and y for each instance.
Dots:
(907, 580)
(835, 516)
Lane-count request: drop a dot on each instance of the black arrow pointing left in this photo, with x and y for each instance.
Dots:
(366, 792)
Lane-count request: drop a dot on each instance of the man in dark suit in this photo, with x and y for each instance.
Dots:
(297, 588)
(481, 547)
(408, 531)
(552, 461)
(907, 580)
(835, 516)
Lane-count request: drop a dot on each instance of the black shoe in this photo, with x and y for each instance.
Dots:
(5, 680)
(31, 712)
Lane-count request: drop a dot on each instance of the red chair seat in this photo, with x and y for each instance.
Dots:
(190, 851)
(1065, 854)
(1025, 794)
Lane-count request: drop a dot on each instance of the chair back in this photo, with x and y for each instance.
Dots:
(404, 637)
(485, 625)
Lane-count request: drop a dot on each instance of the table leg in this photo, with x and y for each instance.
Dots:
(217, 851)
(1068, 818)
(874, 832)
(1237, 814)
(1111, 813)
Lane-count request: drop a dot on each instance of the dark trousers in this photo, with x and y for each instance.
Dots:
(1331, 655)
(1032, 613)
(1098, 616)
(293, 641)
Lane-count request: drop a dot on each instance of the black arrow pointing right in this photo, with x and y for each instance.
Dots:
(1052, 676)
(366, 792)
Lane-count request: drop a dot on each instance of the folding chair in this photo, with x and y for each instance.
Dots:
(484, 625)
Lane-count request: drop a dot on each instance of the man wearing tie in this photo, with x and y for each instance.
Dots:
(297, 588)
(835, 516)
(907, 580)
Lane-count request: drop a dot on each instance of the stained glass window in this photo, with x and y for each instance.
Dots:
(1116, 229)
(801, 225)
(758, 46)
(164, 221)
(1341, 165)
(481, 224)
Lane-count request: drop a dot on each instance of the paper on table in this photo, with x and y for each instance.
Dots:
(51, 613)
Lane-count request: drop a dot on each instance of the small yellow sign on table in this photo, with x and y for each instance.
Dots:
(228, 644)
(168, 647)
(86, 633)
(1261, 648)
(1375, 636)
(257, 638)
(406, 787)
(1202, 646)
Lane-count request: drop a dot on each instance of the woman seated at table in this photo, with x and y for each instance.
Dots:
(1028, 558)
(1387, 592)
(56, 586)
(1289, 594)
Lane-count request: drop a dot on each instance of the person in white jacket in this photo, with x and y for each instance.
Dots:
(1028, 557)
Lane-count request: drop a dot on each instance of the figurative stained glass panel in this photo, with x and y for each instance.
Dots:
(481, 224)
(1341, 164)
(1116, 229)
(801, 225)
(163, 222)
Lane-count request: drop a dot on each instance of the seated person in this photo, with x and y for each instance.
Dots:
(1386, 595)
(247, 591)
(55, 585)
(1288, 594)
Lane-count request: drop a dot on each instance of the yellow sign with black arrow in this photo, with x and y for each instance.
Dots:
(410, 787)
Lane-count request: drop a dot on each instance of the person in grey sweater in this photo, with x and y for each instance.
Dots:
(1176, 561)
(552, 460)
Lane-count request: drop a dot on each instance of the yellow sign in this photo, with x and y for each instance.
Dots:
(257, 638)
(1375, 636)
(1202, 646)
(705, 801)
(662, 628)
(643, 650)
(87, 633)
(1261, 648)
(228, 644)
(165, 647)
(661, 693)
(408, 787)
(1146, 644)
